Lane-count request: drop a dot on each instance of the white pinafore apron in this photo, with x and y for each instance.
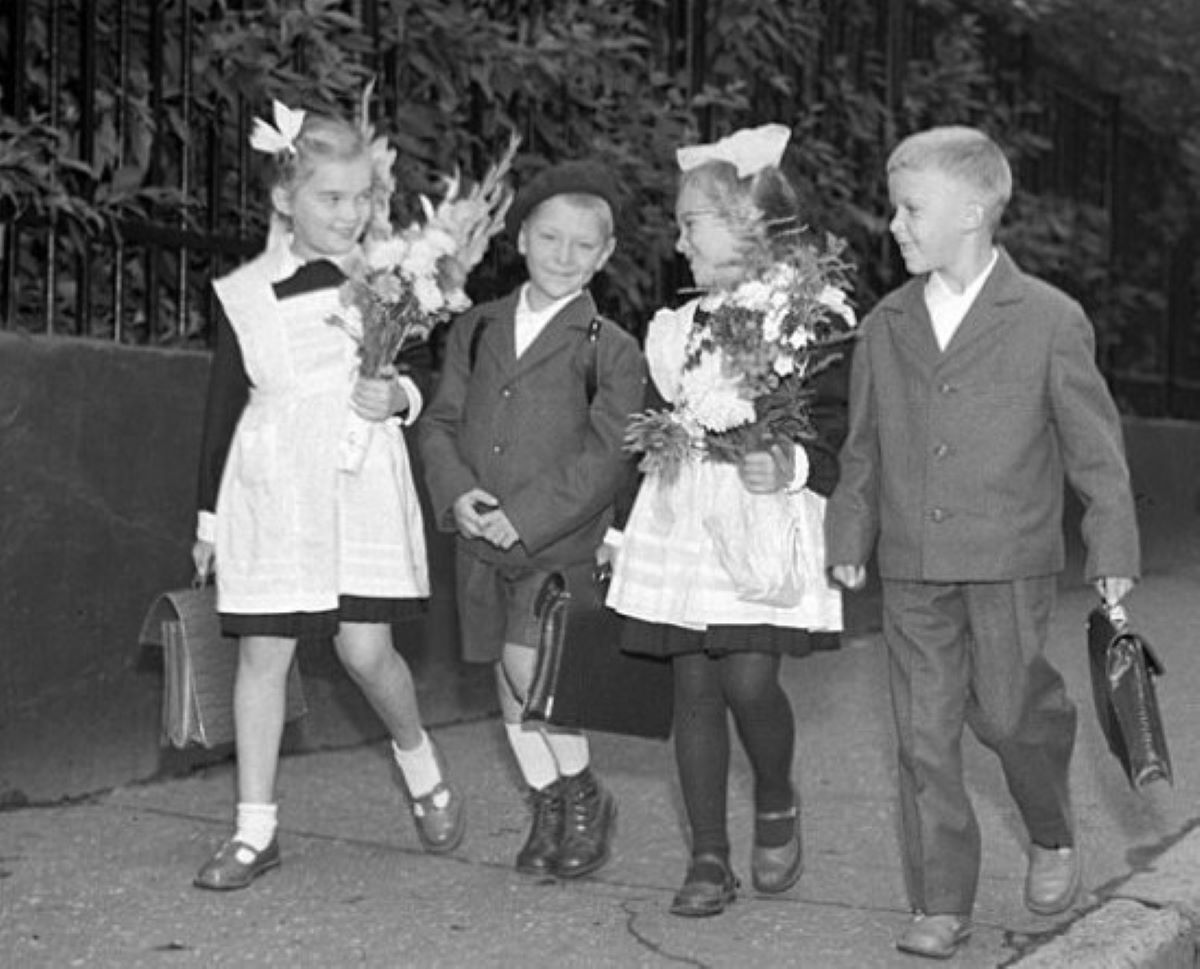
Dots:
(293, 532)
(668, 569)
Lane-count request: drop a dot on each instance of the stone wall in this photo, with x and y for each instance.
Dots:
(98, 449)
(98, 453)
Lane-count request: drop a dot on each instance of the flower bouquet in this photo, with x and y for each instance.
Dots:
(412, 278)
(750, 358)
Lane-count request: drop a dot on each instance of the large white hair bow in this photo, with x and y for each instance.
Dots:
(749, 150)
(281, 137)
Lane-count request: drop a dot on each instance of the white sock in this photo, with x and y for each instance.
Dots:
(256, 824)
(571, 752)
(419, 766)
(537, 763)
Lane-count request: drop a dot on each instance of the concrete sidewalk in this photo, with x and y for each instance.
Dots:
(106, 882)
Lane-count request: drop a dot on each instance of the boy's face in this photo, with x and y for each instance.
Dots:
(329, 209)
(564, 246)
(935, 214)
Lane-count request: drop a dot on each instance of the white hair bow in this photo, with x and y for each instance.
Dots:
(281, 137)
(749, 150)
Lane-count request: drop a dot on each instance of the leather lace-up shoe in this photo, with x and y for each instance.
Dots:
(589, 814)
(708, 888)
(236, 865)
(1053, 879)
(935, 936)
(540, 852)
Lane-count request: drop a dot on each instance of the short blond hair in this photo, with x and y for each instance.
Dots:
(963, 153)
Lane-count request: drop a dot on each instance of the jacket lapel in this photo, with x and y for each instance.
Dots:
(562, 331)
(908, 319)
(497, 339)
(991, 306)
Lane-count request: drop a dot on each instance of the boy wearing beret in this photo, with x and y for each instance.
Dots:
(523, 457)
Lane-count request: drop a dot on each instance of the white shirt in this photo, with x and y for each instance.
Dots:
(528, 322)
(947, 309)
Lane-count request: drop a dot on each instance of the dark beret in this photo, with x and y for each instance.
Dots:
(568, 178)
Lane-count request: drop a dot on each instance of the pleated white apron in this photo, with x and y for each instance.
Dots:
(293, 532)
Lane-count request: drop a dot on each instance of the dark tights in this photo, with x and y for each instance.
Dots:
(746, 684)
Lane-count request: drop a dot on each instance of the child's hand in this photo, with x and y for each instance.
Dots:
(378, 398)
(850, 577)
(765, 472)
(1113, 589)
(203, 554)
(498, 530)
(478, 515)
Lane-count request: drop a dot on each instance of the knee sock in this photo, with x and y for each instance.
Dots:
(419, 766)
(767, 728)
(701, 730)
(533, 754)
(570, 751)
(256, 824)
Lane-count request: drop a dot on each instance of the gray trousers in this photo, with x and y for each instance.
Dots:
(973, 653)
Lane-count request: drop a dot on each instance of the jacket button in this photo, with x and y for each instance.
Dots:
(496, 449)
(506, 392)
(946, 389)
(941, 450)
(938, 514)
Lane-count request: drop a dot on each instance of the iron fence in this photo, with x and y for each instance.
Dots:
(168, 172)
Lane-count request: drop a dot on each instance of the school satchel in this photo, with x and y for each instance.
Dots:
(199, 665)
(582, 679)
(1123, 670)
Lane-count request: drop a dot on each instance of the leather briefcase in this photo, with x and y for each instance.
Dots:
(199, 666)
(582, 679)
(1123, 670)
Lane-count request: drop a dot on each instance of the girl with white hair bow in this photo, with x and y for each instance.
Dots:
(738, 216)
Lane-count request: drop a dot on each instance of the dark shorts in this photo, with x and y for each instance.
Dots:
(496, 602)
(321, 625)
(661, 639)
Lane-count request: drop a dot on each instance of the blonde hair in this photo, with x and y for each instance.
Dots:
(963, 153)
(762, 209)
(322, 139)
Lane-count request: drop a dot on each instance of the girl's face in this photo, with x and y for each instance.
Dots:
(329, 209)
(710, 245)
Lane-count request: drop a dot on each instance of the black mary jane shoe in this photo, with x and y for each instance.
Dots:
(708, 888)
(236, 865)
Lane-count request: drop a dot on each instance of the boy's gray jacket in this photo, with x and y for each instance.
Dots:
(954, 460)
(524, 430)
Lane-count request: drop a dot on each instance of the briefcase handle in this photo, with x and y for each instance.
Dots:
(1122, 628)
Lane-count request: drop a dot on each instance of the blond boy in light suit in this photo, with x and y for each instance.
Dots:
(974, 390)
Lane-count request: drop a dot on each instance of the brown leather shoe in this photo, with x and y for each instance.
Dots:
(589, 815)
(1052, 880)
(708, 888)
(539, 854)
(935, 936)
(236, 865)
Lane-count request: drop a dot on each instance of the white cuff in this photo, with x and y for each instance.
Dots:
(206, 527)
(614, 537)
(415, 401)
(800, 476)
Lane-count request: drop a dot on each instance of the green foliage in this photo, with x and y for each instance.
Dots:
(602, 79)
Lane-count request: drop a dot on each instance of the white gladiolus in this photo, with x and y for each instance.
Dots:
(836, 300)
